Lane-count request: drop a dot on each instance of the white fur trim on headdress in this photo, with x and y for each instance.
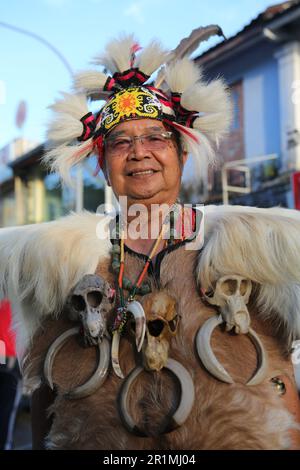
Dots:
(90, 82)
(182, 77)
(62, 158)
(201, 150)
(210, 100)
(64, 148)
(182, 74)
(151, 58)
(206, 97)
(66, 126)
(213, 102)
(118, 54)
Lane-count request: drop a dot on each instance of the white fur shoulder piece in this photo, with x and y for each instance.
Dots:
(39, 264)
(262, 245)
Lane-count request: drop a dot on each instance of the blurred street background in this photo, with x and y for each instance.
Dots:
(43, 42)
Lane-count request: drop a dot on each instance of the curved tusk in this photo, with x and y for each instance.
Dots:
(99, 376)
(210, 361)
(183, 410)
(205, 352)
(262, 368)
(53, 350)
(115, 354)
(123, 402)
(187, 394)
(138, 312)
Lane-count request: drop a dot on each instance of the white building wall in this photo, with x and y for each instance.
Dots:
(254, 131)
(289, 94)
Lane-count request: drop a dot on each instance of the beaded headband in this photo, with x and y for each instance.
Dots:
(130, 103)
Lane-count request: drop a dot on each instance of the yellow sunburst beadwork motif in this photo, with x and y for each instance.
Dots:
(134, 102)
(127, 103)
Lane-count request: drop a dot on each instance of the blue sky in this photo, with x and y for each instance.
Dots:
(79, 29)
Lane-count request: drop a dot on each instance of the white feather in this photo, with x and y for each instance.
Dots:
(204, 97)
(66, 125)
(182, 74)
(89, 82)
(215, 125)
(117, 55)
(74, 105)
(62, 158)
(202, 152)
(64, 129)
(213, 100)
(151, 58)
(167, 110)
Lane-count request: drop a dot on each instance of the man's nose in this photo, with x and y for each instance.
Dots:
(138, 150)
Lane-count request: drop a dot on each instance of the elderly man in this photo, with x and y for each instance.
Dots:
(146, 272)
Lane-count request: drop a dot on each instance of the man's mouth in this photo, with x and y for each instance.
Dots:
(142, 172)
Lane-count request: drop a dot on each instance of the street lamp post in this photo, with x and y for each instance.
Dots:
(79, 176)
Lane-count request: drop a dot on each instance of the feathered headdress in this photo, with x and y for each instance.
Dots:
(199, 111)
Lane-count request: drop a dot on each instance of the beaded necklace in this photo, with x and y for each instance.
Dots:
(118, 266)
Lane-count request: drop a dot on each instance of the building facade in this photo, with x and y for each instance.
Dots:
(261, 64)
(32, 195)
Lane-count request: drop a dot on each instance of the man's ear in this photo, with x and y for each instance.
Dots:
(107, 180)
(104, 169)
(184, 157)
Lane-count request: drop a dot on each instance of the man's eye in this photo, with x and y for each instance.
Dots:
(120, 143)
(155, 138)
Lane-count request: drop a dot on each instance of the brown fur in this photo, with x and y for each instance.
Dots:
(223, 417)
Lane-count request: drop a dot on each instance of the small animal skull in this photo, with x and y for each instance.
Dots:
(89, 302)
(162, 325)
(232, 295)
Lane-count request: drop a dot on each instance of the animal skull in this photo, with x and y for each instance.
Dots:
(232, 295)
(89, 302)
(162, 325)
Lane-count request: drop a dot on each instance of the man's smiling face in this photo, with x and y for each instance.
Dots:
(144, 176)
